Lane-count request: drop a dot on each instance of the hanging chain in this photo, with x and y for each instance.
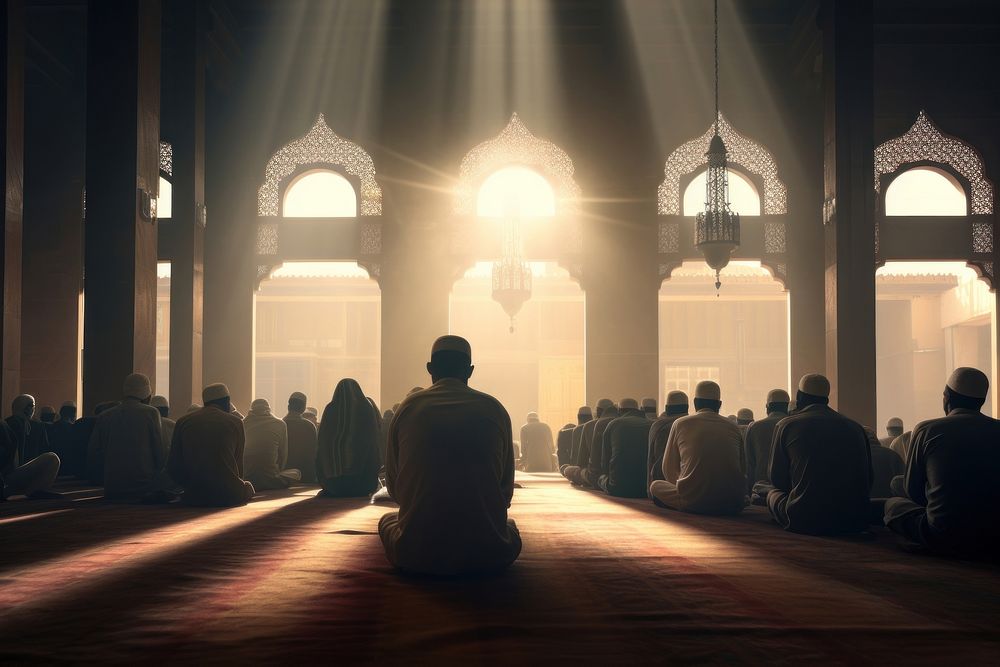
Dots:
(716, 66)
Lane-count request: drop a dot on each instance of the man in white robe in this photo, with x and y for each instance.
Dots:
(893, 429)
(450, 466)
(703, 467)
(266, 451)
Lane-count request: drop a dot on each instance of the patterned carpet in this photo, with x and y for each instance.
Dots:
(294, 577)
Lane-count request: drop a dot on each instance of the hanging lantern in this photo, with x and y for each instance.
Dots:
(512, 275)
(717, 231)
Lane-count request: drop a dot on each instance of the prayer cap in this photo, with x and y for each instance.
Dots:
(708, 391)
(159, 402)
(260, 405)
(451, 343)
(677, 398)
(649, 403)
(21, 402)
(47, 410)
(746, 414)
(815, 384)
(628, 404)
(970, 382)
(137, 386)
(68, 404)
(215, 392)
(895, 422)
(605, 403)
(532, 416)
(777, 396)
(585, 410)
(297, 396)
(312, 411)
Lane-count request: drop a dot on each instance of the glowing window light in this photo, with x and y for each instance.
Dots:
(527, 191)
(164, 201)
(925, 191)
(320, 193)
(743, 197)
(319, 270)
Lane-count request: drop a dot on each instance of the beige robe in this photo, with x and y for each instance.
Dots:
(536, 447)
(266, 451)
(450, 466)
(206, 458)
(129, 440)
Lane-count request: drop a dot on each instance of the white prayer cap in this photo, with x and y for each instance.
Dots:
(970, 382)
(159, 402)
(649, 403)
(677, 398)
(605, 403)
(137, 386)
(260, 405)
(297, 396)
(215, 392)
(708, 390)
(777, 396)
(815, 384)
(68, 404)
(532, 416)
(628, 404)
(451, 343)
(744, 414)
(895, 422)
(312, 411)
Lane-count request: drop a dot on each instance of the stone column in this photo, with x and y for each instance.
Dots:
(123, 130)
(11, 176)
(849, 206)
(184, 127)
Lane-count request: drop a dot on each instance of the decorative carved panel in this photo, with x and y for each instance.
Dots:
(167, 158)
(774, 238)
(267, 239)
(669, 237)
(371, 239)
(982, 238)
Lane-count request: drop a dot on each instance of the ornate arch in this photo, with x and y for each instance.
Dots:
(318, 147)
(746, 154)
(924, 142)
(516, 145)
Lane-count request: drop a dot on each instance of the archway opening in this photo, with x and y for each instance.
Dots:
(738, 339)
(316, 323)
(925, 191)
(165, 200)
(930, 318)
(743, 195)
(518, 191)
(538, 368)
(163, 328)
(320, 193)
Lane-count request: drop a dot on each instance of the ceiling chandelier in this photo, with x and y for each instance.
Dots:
(717, 228)
(512, 275)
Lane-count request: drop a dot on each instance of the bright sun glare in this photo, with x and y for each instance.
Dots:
(742, 195)
(925, 191)
(516, 191)
(320, 193)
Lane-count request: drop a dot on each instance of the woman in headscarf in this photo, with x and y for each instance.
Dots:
(347, 460)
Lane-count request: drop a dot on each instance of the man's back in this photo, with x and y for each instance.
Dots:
(536, 447)
(657, 445)
(302, 439)
(822, 460)
(207, 457)
(757, 442)
(450, 466)
(626, 441)
(886, 464)
(564, 444)
(953, 470)
(595, 466)
(704, 457)
(130, 439)
(266, 446)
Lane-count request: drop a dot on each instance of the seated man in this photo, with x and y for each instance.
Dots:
(450, 466)
(581, 457)
(564, 444)
(34, 478)
(649, 408)
(758, 441)
(302, 438)
(167, 424)
(536, 445)
(744, 417)
(206, 457)
(625, 445)
(266, 452)
(30, 434)
(592, 469)
(821, 466)
(893, 429)
(129, 440)
(677, 407)
(886, 466)
(951, 475)
(61, 441)
(703, 467)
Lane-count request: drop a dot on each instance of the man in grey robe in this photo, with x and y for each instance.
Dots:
(951, 475)
(450, 466)
(625, 451)
(821, 466)
(703, 467)
(302, 438)
(574, 472)
(649, 408)
(893, 429)
(167, 424)
(33, 478)
(265, 454)
(568, 456)
(758, 440)
(537, 449)
(593, 468)
(677, 406)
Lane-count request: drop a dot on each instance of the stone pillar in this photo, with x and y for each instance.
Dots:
(123, 130)
(849, 206)
(622, 305)
(184, 127)
(11, 176)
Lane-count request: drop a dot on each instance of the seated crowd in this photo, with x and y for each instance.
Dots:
(446, 455)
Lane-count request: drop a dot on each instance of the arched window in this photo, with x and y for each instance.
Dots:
(516, 190)
(164, 201)
(320, 193)
(925, 191)
(742, 194)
